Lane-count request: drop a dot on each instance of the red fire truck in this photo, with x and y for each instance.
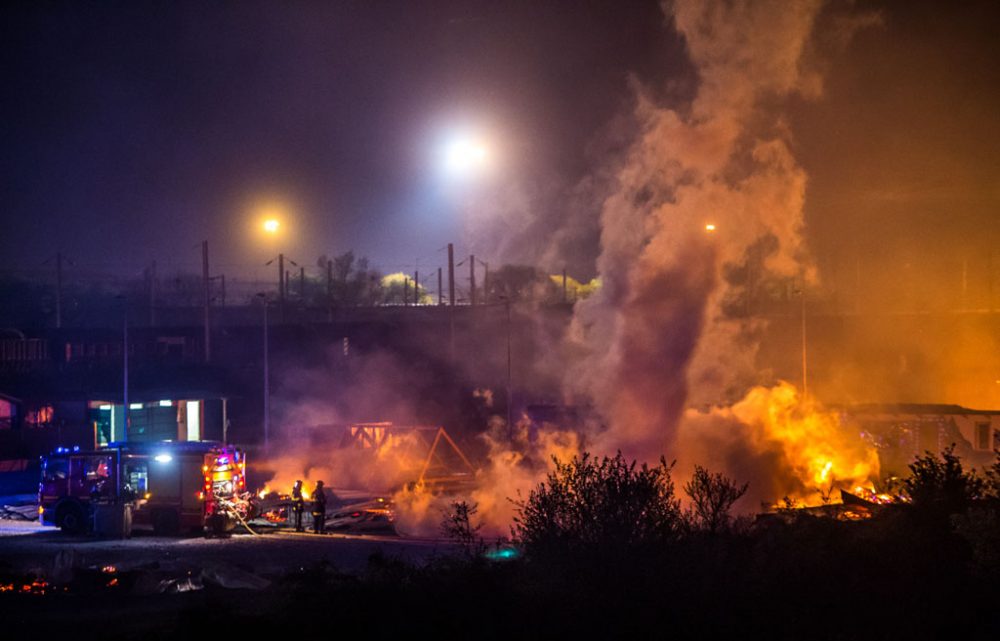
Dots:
(173, 486)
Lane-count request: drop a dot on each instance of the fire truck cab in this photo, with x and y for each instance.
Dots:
(173, 486)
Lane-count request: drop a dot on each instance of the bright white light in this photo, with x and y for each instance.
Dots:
(465, 155)
(166, 403)
(135, 406)
(710, 227)
(271, 225)
(163, 458)
(104, 408)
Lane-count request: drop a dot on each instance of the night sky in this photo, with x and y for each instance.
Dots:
(133, 131)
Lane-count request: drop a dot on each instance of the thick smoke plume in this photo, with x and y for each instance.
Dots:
(709, 196)
(657, 336)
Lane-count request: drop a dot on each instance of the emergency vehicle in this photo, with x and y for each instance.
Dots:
(173, 486)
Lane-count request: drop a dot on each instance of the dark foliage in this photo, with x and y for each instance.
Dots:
(712, 498)
(589, 504)
(457, 525)
(941, 485)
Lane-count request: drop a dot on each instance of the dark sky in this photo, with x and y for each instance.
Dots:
(132, 131)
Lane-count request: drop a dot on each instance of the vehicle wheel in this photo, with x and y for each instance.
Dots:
(220, 525)
(71, 518)
(166, 522)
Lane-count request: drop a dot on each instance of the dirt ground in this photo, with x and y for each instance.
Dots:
(29, 547)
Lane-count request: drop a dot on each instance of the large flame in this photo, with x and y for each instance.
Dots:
(785, 444)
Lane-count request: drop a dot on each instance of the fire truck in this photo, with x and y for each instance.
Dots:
(174, 487)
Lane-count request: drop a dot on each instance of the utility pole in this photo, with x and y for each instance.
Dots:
(472, 279)
(406, 291)
(440, 292)
(451, 275)
(208, 300)
(59, 290)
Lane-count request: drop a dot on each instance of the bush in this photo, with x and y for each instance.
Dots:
(941, 485)
(607, 504)
(712, 497)
(457, 526)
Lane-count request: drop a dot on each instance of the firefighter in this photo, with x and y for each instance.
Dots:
(319, 508)
(297, 505)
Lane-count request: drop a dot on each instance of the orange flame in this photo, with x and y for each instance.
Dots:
(805, 450)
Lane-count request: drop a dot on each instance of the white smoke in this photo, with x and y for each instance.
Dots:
(658, 336)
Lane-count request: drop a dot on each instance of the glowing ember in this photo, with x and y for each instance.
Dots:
(35, 587)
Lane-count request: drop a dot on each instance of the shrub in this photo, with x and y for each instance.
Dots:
(941, 485)
(590, 504)
(457, 526)
(712, 497)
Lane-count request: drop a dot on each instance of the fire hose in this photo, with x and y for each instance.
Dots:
(231, 509)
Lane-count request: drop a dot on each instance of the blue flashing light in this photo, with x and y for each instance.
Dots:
(76, 448)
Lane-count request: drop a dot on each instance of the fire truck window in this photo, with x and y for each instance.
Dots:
(56, 469)
(98, 468)
(137, 476)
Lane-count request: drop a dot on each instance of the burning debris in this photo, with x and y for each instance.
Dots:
(396, 463)
(787, 444)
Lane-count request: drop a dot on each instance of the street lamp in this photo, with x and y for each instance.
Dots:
(467, 154)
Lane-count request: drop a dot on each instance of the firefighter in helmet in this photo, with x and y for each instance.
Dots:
(319, 508)
(297, 504)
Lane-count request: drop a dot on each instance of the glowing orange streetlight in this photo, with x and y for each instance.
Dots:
(710, 227)
(272, 226)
